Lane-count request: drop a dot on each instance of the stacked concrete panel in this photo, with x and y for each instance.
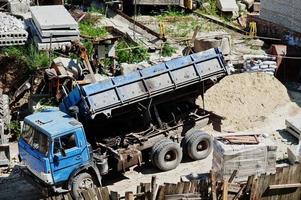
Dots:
(12, 31)
(286, 13)
(53, 27)
(248, 159)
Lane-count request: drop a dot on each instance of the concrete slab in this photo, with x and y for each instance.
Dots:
(52, 17)
(61, 38)
(12, 42)
(49, 33)
(54, 46)
(227, 5)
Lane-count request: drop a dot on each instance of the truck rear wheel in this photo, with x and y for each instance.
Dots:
(155, 147)
(82, 181)
(199, 145)
(167, 156)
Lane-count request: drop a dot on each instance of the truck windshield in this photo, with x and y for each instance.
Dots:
(36, 139)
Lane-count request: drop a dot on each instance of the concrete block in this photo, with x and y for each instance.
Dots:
(52, 17)
(227, 5)
(256, 7)
(18, 7)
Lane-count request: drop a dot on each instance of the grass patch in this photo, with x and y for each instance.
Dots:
(15, 128)
(94, 9)
(88, 29)
(29, 55)
(167, 50)
(130, 52)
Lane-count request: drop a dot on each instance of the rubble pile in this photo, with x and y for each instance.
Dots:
(53, 31)
(12, 31)
(246, 99)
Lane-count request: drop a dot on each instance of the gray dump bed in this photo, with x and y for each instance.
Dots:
(104, 96)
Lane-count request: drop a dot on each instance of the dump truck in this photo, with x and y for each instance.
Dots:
(148, 115)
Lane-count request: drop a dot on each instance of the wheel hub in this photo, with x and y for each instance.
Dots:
(86, 183)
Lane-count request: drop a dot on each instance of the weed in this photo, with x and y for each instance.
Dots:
(94, 9)
(91, 19)
(89, 46)
(88, 29)
(15, 128)
(29, 55)
(130, 53)
(167, 50)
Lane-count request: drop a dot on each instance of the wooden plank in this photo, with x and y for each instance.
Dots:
(153, 187)
(98, 193)
(129, 196)
(234, 173)
(85, 195)
(167, 188)
(147, 187)
(182, 196)
(67, 196)
(213, 185)
(234, 188)
(105, 193)
(173, 188)
(283, 186)
(225, 190)
(249, 183)
(92, 194)
(114, 195)
(160, 193)
(240, 192)
(180, 188)
(186, 187)
(192, 187)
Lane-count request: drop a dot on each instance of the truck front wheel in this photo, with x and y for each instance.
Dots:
(167, 156)
(82, 181)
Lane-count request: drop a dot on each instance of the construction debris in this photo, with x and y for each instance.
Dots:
(205, 41)
(246, 99)
(227, 5)
(248, 154)
(293, 126)
(12, 31)
(260, 64)
(53, 31)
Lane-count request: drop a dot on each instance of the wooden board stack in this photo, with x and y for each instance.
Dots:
(249, 157)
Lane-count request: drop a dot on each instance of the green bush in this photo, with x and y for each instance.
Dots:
(29, 55)
(130, 53)
(90, 30)
(15, 129)
(167, 50)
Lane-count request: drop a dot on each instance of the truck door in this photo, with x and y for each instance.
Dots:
(66, 156)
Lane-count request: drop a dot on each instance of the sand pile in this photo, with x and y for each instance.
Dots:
(245, 99)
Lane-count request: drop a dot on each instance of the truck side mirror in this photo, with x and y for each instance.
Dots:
(62, 150)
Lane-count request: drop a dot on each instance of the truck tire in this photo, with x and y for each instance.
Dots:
(155, 147)
(190, 133)
(81, 182)
(199, 145)
(167, 156)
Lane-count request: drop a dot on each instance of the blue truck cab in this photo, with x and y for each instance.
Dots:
(54, 149)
